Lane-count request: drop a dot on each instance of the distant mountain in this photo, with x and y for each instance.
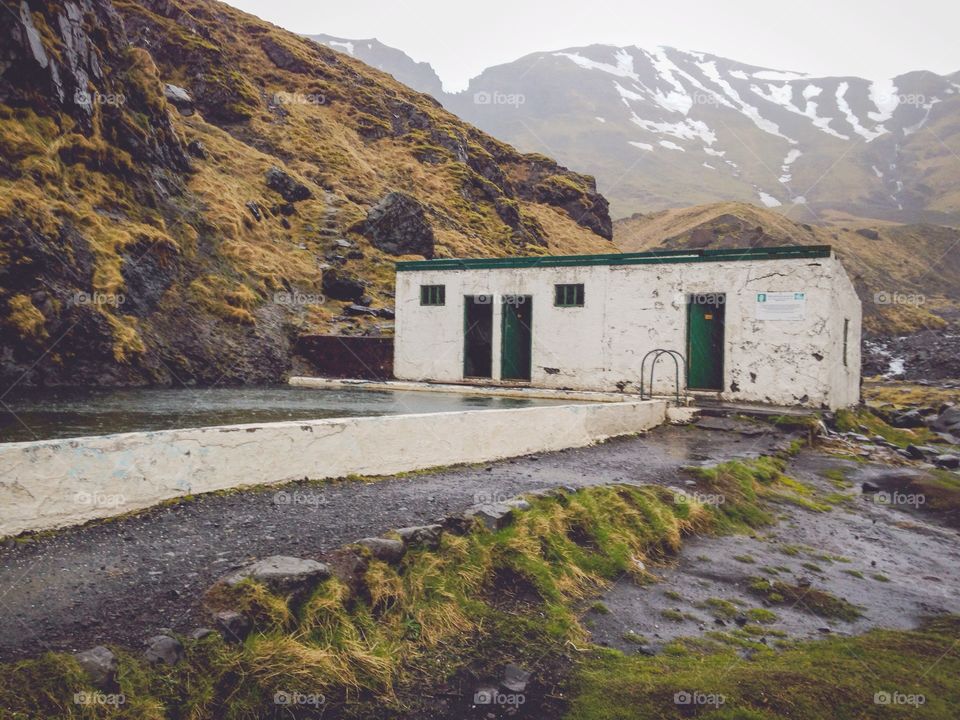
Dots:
(418, 75)
(906, 275)
(669, 128)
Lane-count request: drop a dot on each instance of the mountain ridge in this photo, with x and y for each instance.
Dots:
(669, 128)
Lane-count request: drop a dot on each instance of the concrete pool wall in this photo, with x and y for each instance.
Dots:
(54, 483)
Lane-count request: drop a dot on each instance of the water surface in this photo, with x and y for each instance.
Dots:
(73, 412)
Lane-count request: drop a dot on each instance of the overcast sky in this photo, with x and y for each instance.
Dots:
(869, 38)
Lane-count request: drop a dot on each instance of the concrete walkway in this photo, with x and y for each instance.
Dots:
(119, 581)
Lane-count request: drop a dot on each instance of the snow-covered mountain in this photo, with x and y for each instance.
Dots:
(667, 128)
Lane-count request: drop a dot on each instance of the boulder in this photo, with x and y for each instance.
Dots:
(232, 625)
(179, 98)
(427, 536)
(163, 649)
(342, 287)
(398, 225)
(868, 233)
(384, 549)
(197, 149)
(386, 313)
(355, 309)
(948, 421)
(290, 189)
(951, 462)
(908, 419)
(283, 575)
(515, 678)
(496, 515)
(100, 665)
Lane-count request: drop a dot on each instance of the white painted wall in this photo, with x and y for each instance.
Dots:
(631, 309)
(53, 483)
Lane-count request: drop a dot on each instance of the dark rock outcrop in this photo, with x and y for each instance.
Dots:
(290, 189)
(398, 225)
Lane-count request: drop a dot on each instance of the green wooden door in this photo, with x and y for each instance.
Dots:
(705, 342)
(516, 337)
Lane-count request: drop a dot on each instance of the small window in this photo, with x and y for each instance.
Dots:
(568, 295)
(846, 333)
(433, 294)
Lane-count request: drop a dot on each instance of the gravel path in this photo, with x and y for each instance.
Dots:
(119, 581)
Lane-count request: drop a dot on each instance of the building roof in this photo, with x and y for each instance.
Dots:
(658, 257)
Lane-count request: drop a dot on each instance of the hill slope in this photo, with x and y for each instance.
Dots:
(907, 276)
(669, 128)
(181, 182)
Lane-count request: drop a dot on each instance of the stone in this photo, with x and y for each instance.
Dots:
(254, 210)
(202, 632)
(355, 255)
(398, 225)
(290, 189)
(493, 515)
(908, 419)
(197, 149)
(283, 574)
(163, 649)
(951, 462)
(355, 310)
(427, 536)
(869, 487)
(948, 420)
(232, 625)
(179, 98)
(342, 287)
(343, 243)
(386, 313)
(868, 233)
(515, 678)
(384, 549)
(100, 664)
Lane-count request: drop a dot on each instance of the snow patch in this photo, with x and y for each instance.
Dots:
(868, 135)
(926, 116)
(776, 75)
(883, 94)
(876, 171)
(641, 145)
(621, 69)
(799, 200)
(670, 145)
(685, 130)
(348, 46)
(710, 70)
(739, 75)
(599, 119)
(715, 153)
(768, 200)
(708, 165)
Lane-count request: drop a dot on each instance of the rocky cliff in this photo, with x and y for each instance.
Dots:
(185, 188)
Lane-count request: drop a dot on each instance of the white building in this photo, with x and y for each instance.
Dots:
(772, 325)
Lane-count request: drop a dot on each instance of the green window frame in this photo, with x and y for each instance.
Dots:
(433, 294)
(568, 295)
(846, 333)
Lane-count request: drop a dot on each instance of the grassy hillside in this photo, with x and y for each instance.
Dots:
(907, 276)
(158, 234)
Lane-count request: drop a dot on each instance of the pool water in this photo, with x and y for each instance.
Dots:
(66, 413)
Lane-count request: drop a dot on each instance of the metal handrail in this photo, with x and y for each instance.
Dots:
(678, 360)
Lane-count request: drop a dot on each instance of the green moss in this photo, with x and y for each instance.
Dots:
(719, 608)
(748, 559)
(815, 680)
(863, 420)
(672, 615)
(762, 616)
(809, 599)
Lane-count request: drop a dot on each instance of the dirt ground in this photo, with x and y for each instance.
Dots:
(122, 580)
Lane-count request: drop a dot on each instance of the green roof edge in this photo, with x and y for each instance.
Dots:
(792, 252)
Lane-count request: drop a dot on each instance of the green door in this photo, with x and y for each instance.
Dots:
(705, 341)
(516, 337)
